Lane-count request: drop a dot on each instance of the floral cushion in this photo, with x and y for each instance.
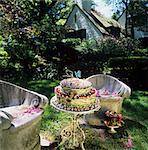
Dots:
(105, 93)
(20, 115)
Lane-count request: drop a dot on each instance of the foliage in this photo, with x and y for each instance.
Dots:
(45, 71)
(93, 56)
(132, 70)
(138, 12)
(140, 52)
(108, 46)
(73, 42)
(30, 30)
(87, 47)
(115, 16)
(3, 54)
(111, 46)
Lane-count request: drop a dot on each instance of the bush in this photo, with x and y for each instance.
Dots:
(140, 52)
(72, 42)
(117, 47)
(4, 57)
(132, 70)
(93, 56)
(30, 29)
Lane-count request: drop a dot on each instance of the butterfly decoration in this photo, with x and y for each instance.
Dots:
(77, 74)
(71, 74)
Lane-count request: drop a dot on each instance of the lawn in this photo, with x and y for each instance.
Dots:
(135, 109)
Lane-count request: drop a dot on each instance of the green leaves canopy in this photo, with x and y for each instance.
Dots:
(32, 28)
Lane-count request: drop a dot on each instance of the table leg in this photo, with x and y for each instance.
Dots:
(72, 135)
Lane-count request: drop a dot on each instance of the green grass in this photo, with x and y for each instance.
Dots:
(136, 108)
(52, 120)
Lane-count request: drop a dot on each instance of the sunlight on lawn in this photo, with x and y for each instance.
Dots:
(135, 108)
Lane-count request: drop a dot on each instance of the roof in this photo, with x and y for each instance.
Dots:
(121, 14)
(98, 20)
(107, 22)
(102, 30)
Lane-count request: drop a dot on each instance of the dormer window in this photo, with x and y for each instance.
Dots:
(75, 18)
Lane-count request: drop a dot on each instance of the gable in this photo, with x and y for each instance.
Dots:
(78, 20)
(122, 19)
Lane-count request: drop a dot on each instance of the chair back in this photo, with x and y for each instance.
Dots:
(111, 84)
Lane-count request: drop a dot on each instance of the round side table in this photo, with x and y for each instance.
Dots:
(72, 136)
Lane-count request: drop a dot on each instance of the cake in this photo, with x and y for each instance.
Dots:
(74, 94)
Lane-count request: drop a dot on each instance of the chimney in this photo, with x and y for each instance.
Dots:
(87, 5)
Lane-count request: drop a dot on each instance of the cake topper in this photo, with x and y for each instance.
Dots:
(70, 74)
(77, 74)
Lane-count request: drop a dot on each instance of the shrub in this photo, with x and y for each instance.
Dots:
(132, 70)
(4, 57)
(72, 42)
(140, 52)
(117, 47)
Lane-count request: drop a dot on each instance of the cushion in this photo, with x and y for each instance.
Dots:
(21, 115)
(105, 94)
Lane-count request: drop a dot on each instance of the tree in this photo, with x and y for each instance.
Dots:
(32, 28)
(136, 9)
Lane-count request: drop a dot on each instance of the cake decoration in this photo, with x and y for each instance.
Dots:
(76, 94)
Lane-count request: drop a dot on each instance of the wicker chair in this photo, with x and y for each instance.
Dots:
(20, 116)
(115, 90)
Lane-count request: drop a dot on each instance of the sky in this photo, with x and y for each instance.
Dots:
(103, 8)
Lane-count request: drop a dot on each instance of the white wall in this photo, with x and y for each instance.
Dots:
(80, 21)
(122, 20)
(139, 34)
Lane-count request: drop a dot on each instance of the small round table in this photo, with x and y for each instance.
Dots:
(72, 136)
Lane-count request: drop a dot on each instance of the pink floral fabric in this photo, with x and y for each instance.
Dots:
(104, 92)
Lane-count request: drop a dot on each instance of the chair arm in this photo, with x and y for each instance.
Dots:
(41, 101)
(35, 99)
(5, 120)
(124, 91)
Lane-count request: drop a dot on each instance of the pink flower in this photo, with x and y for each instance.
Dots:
(97, 93)
(129, 143)
(32, 110)
(115, 94)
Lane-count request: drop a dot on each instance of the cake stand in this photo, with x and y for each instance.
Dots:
(72, 136)
(112, 129)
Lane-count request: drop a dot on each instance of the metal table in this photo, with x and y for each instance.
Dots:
(72, 135)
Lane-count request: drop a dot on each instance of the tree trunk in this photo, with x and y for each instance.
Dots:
(126, 14)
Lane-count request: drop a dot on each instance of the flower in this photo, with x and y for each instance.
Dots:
(113, 119)
(32, 110)
(129, 143)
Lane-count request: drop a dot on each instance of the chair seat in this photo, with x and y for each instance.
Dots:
(20, 115)
(104, 94)
(110, 97)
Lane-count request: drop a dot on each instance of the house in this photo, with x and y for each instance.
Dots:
(87, 23)
(135, 29)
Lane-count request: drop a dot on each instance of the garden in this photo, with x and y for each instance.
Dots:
(35, 54)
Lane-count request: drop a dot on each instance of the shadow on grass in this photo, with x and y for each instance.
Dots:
(52, 120)
(136, 108)
(45, 87)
